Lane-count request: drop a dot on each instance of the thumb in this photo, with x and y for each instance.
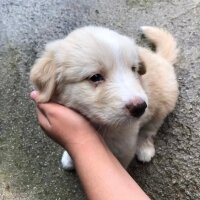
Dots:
(34, 95)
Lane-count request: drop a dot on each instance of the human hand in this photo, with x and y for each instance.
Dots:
(94, 162)
(63, 125)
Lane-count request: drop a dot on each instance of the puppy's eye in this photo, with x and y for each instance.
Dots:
(96, 78)
(142, 68)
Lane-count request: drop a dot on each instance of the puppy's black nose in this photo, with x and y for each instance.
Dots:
(136, 107)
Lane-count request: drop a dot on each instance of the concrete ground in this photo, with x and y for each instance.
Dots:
(29, 161)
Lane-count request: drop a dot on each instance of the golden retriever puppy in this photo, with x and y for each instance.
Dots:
(126, 91)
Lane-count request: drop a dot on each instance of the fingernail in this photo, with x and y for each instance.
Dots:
(34, 95)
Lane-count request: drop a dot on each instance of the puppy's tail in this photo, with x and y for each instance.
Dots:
(164, 42)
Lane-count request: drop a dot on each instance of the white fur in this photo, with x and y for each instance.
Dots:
(125, 82)
(145, 152)
(66, 161)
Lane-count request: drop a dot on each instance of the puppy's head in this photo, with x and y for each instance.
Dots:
(95, 71)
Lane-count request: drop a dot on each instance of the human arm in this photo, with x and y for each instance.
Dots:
(101, 174)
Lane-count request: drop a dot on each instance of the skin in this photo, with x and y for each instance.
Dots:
(101, 174)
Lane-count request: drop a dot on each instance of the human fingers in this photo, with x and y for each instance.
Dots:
(59, 116)
(43, 120)
(45, 109)
(34, 95)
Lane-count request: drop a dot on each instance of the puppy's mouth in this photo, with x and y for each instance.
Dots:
(124, 118)
(120, 118)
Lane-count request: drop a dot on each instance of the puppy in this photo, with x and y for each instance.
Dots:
(126, 91)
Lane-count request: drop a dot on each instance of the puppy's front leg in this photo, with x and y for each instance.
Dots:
(145, 145)
(145, 149)
(67, 162)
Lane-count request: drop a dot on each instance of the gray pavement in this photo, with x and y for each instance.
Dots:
(29, 161)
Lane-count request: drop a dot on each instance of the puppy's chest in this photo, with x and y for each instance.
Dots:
(121, 139)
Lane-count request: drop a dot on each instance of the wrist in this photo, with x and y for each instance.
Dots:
(87, 139)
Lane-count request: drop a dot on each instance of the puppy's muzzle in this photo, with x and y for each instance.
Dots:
(136, 107)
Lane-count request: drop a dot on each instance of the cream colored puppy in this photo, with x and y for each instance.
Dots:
(125, 91)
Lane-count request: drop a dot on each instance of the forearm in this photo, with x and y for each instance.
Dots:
(104, 178)
(101, 174)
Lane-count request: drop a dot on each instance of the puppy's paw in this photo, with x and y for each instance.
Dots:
(145, 152)
(67, 162)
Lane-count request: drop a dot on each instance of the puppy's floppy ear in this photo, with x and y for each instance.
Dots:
(43, 73)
